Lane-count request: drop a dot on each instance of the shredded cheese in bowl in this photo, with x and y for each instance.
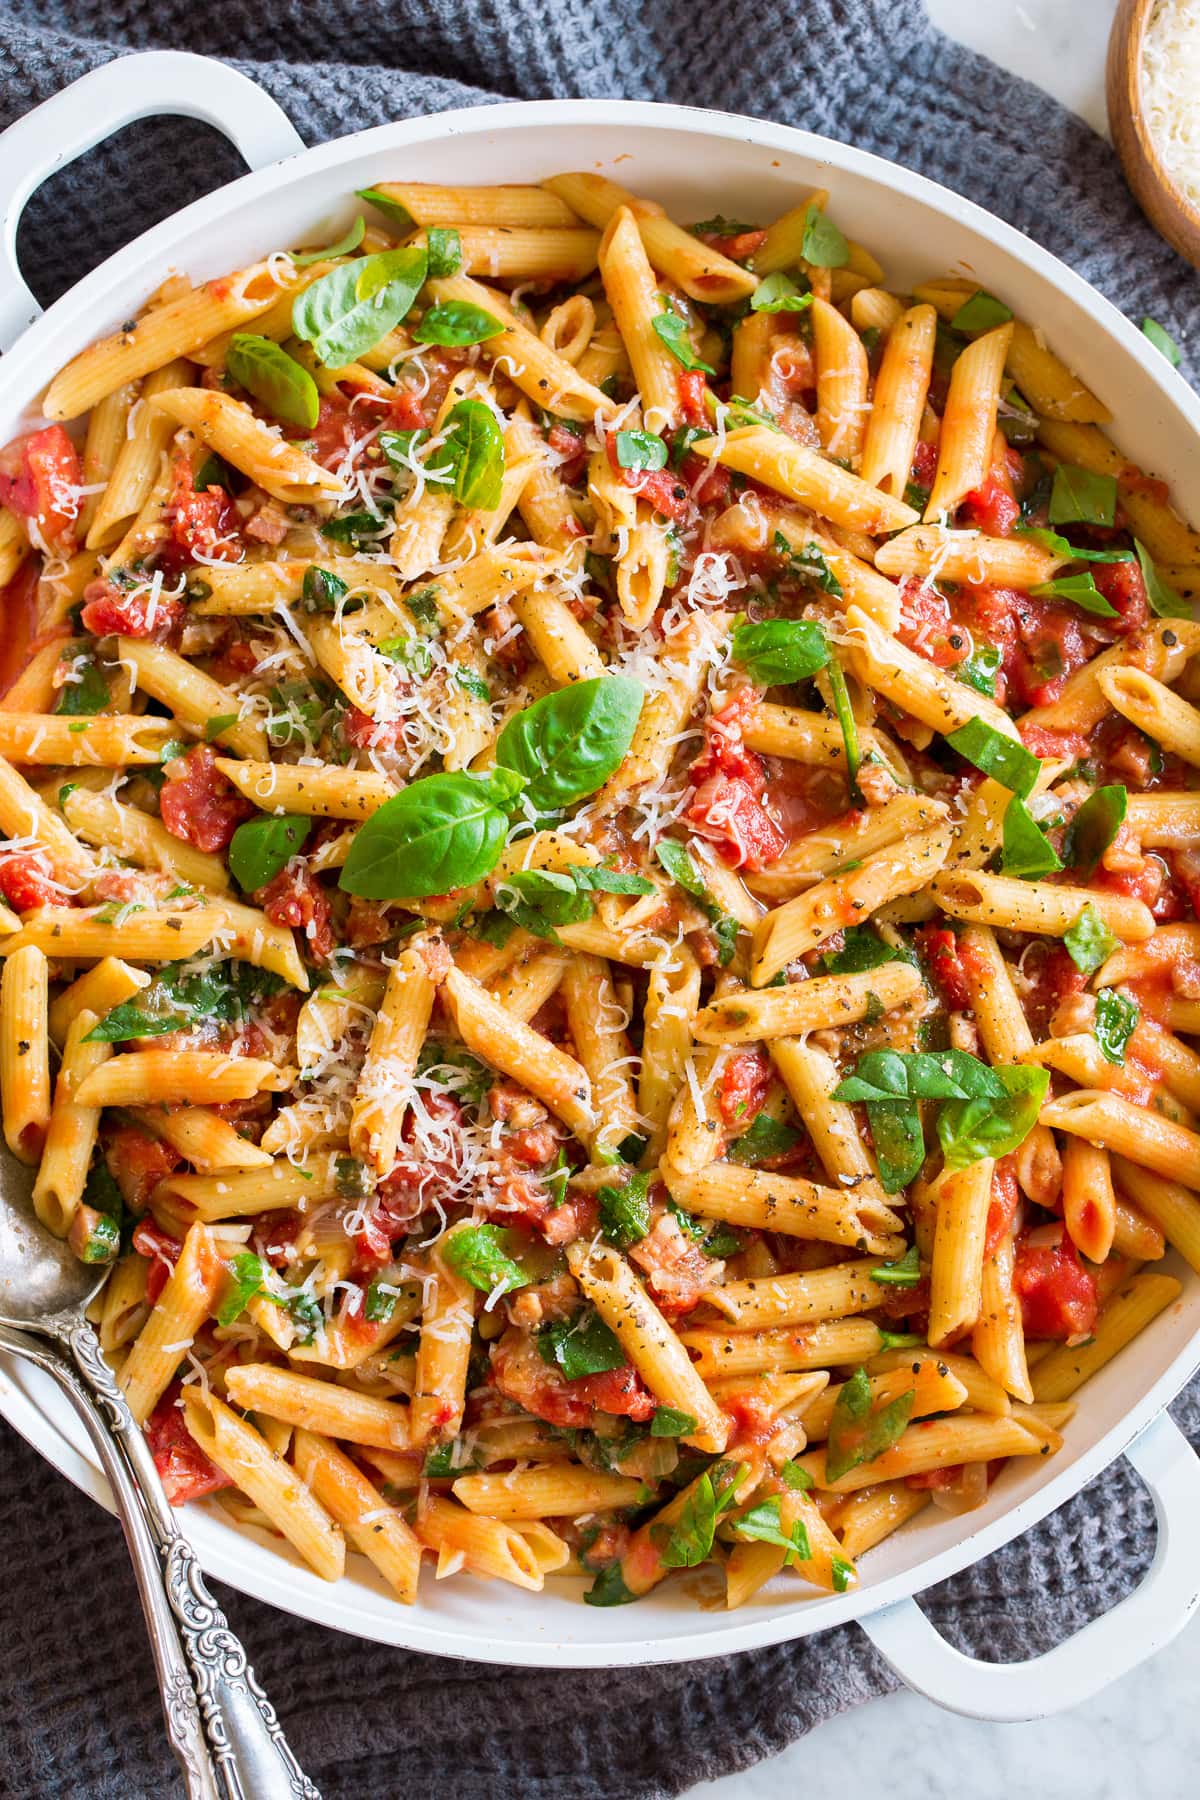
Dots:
(1171, 91)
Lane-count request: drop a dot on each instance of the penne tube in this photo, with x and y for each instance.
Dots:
(203, 1138)
(901, 387)
(633, 295)
(961, 1198)
(797, 1299)
(785, 1203)
(322, 792)
(1164, 820)
(371, 1526)
(489, 1547)
(231, 1193)
(1152, 707)
(889, 667)
(315, 1405)
(1144, 1137)
(520, 253)
(702, 273)
(933, 1444)
(107, 740)
(149, 1077)
(822, 1004)
(560, 642)
(968, 421)
(825, 851)
(984, 1393)
(998, 1336)
(804, 475)
(967, 556)
(597, 1023)
(810, 1078)
(932, 1385)
(548, 379)
(1088, 1202)
(842, 382)
(874, 1513)
(377, 1111)
(1163, 650)
(193, 697)
(1160, 529)
(277, 1490)
(1006, 903)
(106, 985)
(181, 1309)
(554, 1491)
(1170, 1207)
(719, 1355)
(65, 931)
(509, 207)
(259, 450)
(516, 1049)
(443, 1353)
(25, 1053)
(140, 839)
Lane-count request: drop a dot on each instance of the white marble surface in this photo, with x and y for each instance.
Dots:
(1140, 1737)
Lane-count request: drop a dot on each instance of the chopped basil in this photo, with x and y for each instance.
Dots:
(904, 1273)
(798, 1479)
(477, 1253)
(625, 1211)
(1061, 546)
(1079, 496)
(980, 669)
(823, 245)
(673, 332)
(676, 859)
(766, 1139)
(216, 726)
(86, 693)
(180, 995)
(1027, 852)
(245, 1279)
(1116, 1020)
(668, 1422)
(640, 450)
(848, 723)
(1161, 597)
(1093, 828)
(609, 1588)
(862, 949)
(776, 294)
(859, 1432)
(472, 683)
(261, 848)
(583, 1345)
(982, 312)
(379, 1304)
(443, 247)
(456, 322)
(321, 590)
(809, 562)
(1089, 942)
(1162, 340)
(842, 1573)
(762, 1524)
(778, 652)
(401, 446)
(1005, 759)
(1080, 590)
(690, 1540)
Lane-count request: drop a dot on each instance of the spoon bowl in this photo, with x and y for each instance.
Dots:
(41, 1282)
(1167, 209)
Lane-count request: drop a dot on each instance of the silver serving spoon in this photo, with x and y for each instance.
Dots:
(222, 1728)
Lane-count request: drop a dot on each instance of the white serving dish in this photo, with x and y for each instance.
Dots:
(696, 163)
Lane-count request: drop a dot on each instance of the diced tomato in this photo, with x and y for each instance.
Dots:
(18, 622)
(664, 490)
(939, 946)
(203, 522)
(198, 804)
(1054, 746)
(137, 1163)
(1123, 586)
(186, 1472)
(151, 1240)
(366, 733)
(993, 505)
(726, 812)
(924, 464)
(744, 1083)
(738, 246)
(406, 413)
(25, 881)
(571, 447)
(1002, 1206)
(1050, 976)
(619, 1391)
(710, 483)
(40, 476)
(926, 625)
(1057, 1294)
(296, 898)
(1149, 881)
(367, 923)
(137, 613)
(519, 1372)
(692, 387)
(936, 1480)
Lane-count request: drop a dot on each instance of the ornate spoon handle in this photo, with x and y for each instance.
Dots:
(251, 1758)
(185, 1729)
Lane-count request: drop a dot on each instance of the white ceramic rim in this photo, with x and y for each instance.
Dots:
(57, 335)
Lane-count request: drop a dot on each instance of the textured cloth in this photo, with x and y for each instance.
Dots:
(79, 1714)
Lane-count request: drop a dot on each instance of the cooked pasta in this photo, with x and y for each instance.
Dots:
(600, 886)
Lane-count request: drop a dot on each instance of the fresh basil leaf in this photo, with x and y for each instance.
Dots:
(899, 1141)
(669, 1422)
(982, 312)
(1089, 942)
(762, 1524)
(823, 246)
(1093, 828)
(352, 1178)
(842, 1573)
(776, 294)
(1027, 852)
(345, 246)
(610, 1588)
(477, 1253)
(980, 669)
(261, 847)
(1116, 1020)
(918, 1075)
(580, 1346)
(274, 378)
(1162, 340)
(214, 473)
(443, 832)
(862, 949)
(740, 411)
(452, 1458)
(1061, 546)
(778, 652)
(1080, 590)
(1079, 496)
(640, 450)
(245, 1279)
(346, 312)
(321, 590)
(391, 209)
(443, 247)
(87, 695)
(625, 1212)
(690, 1540)
(766, 1138)
(903, 1273)
(610, 881)
(1161, 597)
(673, 332)
(848, 723)
(969, 1130)
(538, 900)
(361, 530)
(567, 744)
(180, 994)
(720, 226)
(859, 1431)
(456, 322)
(798, 1479)
(809, 562)
(1005, 759)
(472, 454)
(219, 723)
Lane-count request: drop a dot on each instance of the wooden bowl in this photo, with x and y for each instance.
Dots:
(1168, 211)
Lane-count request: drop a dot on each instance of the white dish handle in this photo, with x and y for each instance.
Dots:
(1103, 1651)
(93, 108)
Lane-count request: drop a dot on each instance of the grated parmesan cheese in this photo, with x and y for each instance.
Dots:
(1171, 91)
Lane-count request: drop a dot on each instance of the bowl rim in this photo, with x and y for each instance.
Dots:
(238, 1558)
